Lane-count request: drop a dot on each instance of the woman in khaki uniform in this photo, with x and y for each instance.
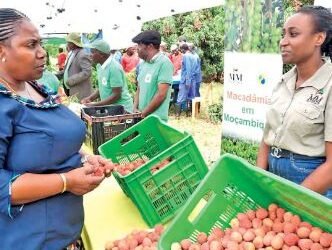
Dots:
(297, 141)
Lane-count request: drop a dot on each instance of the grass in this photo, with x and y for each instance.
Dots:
(207, 135)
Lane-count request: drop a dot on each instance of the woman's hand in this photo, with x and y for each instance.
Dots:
(83, 180)
(263, 155)
(320, 180)
(103, 165)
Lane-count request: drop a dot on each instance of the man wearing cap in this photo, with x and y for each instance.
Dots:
(112, 85)
(77, 71)
(155, 76)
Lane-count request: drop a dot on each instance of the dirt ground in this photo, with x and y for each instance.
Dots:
(207, 135)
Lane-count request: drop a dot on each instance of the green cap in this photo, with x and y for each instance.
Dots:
(100, 45)
(74, 38)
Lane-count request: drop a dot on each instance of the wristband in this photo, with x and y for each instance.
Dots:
(64, 180)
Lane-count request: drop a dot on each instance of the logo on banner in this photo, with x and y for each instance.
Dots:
(236, 76)
(262, 79)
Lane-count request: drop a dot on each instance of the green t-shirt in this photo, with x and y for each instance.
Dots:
(158, 70)
(111, 75)
(50, 80)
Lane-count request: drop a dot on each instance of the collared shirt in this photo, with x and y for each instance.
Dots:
(38, 138)
(111, 75)
(67, 65)
(158, 70)
(300, 120)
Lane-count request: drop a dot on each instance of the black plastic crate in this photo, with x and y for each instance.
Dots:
(105, 122)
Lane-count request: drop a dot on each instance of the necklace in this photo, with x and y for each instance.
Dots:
(26, 90)
(7, 85)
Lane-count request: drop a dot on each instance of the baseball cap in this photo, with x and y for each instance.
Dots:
(100, 45)
(147, 37)
(74, 38)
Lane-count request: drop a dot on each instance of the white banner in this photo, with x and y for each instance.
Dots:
(324, 3)
(252, 67)
(248, 83)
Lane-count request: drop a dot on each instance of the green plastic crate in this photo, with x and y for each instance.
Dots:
(159, 195)
(234, 186)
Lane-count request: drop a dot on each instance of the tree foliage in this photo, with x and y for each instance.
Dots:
(204, 28)
(253, 25)
(291, 5)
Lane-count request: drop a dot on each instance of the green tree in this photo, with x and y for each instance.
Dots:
(204, 28)
(291, 5)
(253, 25)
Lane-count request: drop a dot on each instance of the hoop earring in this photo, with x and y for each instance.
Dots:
(3, 60)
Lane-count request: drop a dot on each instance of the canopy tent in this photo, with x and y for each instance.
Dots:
(120, 20)
(325, 3)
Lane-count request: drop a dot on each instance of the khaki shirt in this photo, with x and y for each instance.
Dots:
(301, 120)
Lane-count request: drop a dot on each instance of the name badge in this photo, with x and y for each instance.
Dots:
(147, 78)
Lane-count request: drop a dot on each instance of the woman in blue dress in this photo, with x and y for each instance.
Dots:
(42, 177)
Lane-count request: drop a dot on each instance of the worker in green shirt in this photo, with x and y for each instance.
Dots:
(50, 80)
(112, 85)
(154, 78)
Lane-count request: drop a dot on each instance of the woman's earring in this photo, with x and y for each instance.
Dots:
(3, 59)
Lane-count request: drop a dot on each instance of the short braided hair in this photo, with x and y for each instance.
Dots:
(9, 18)
(323, 23)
